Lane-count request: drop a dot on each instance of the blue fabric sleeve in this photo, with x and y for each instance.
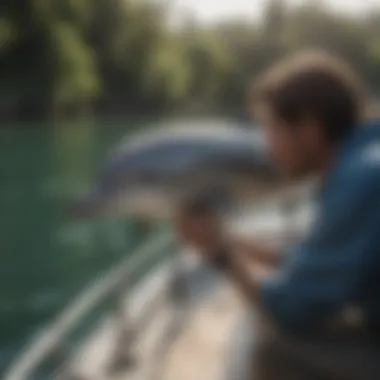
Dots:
(325, 272)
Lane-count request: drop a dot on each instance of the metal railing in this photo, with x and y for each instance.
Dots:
(116, 281)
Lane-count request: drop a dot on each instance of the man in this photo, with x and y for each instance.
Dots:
(312, 109)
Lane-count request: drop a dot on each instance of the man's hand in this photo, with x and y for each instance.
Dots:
(205, 231)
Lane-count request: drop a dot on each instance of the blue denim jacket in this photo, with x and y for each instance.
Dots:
(338, 264)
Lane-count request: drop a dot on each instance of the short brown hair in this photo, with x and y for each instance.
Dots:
(316, 84)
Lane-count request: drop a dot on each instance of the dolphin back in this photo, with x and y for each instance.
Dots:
(182, 161)
(182, 151)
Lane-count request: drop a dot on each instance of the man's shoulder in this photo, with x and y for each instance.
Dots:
(360, 167)
(354, 183)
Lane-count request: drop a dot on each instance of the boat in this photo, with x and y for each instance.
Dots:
(180, 320)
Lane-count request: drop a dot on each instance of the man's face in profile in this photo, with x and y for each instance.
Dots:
(292, 146)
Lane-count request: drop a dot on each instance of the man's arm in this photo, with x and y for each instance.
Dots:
(205, 231)
(256, 253)
(235, 256)
(235, 266)
(326, 272)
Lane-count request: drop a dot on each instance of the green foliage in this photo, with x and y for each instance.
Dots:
(8, 34)
(64, 57)
(75, 74)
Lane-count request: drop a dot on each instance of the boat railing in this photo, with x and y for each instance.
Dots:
(50, 345)
(116, 283)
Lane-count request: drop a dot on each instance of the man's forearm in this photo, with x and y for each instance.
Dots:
(235, 257)
(253, 252)
(236, 268)
(243, 279)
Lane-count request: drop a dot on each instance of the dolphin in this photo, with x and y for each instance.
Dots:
(152, 172)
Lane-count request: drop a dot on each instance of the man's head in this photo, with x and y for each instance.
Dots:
(307, 105)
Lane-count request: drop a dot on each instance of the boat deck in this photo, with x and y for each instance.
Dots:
(204, 345)
(186, 342)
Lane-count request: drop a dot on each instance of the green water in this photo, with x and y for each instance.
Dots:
(46, 257)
